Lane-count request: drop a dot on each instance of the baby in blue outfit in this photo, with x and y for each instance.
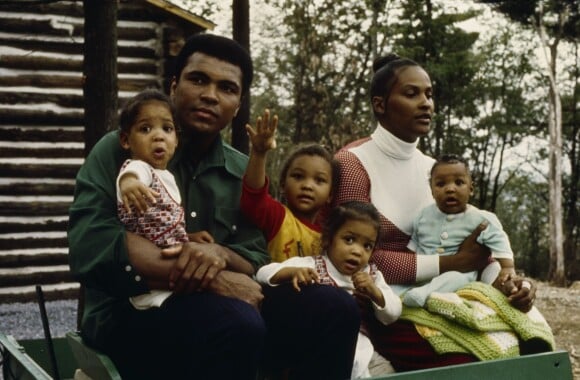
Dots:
(440, 228)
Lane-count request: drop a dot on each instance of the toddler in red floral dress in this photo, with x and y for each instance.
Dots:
(148, 199)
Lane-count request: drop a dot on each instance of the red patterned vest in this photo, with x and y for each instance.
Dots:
(163, 223)
(322, 270)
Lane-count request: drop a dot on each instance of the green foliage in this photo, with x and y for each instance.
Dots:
(521, 11)
(561, 21)
(326, 59)
(526, 13)
(205, 9)
(504, 114)
(523, 211)
(429, 35)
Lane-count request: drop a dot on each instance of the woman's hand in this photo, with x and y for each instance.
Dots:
(520, 291)
(471, 255)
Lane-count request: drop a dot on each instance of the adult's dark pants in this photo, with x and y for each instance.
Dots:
(196, 336)
(311, 334)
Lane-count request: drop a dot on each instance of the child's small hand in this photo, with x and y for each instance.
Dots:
(304, 276)
(506, 274)
(364, 286)
(135, 194)
(201, 237)
(362, 282)
(504, 281)
(263, 137)
(506, 285)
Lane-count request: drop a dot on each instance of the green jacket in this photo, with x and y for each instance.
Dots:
(98, 258)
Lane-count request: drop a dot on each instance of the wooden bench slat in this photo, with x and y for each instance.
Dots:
(545, 366)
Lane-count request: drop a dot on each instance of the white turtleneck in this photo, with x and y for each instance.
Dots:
(399, 177)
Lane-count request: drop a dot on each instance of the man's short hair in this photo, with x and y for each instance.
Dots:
(222, 48)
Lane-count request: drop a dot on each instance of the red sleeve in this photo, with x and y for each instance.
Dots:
(354, 183)
(393, 259)
(263, 210)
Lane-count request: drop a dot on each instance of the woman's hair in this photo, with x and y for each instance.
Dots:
(449, 159)
(386, 69)
(132, 107)
(312, 150)
(219, 47)
(344, 212)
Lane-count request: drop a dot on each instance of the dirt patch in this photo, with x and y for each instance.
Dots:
(561, 308)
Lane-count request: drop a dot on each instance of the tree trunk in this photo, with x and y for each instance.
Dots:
(99, 80)
(571, 229)
(241, 33)
(99, 69)
(556, 272)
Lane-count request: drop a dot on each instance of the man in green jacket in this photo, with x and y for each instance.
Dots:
(211, 327)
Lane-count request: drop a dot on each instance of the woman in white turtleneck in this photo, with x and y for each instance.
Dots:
(389, 171)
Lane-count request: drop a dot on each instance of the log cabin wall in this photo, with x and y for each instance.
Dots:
(41, 124)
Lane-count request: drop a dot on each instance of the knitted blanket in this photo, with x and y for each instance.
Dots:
(479, 320)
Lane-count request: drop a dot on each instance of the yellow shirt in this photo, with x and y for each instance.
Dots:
(294, 238)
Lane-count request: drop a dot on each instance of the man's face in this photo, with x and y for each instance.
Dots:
(207, 95)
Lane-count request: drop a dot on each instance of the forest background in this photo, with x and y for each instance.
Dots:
(506, 78)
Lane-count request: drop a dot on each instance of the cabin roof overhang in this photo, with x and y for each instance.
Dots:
(176, 10)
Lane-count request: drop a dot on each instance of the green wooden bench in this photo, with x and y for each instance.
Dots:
(92, 363)
(26, 360)
(550, 365)
(29, 360)
(545, 366)
(16, 362)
